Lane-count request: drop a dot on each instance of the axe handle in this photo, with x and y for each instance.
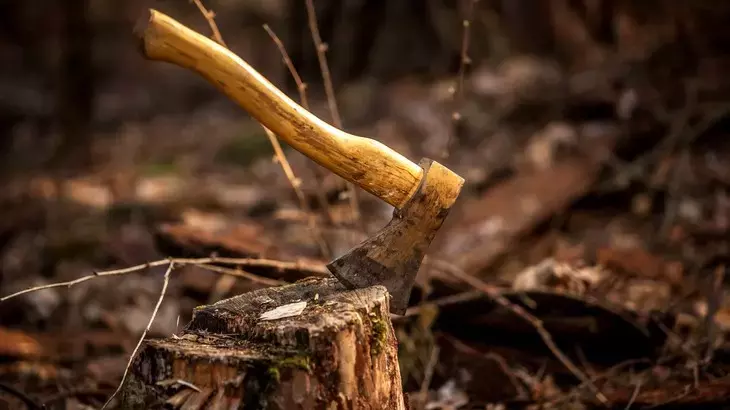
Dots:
(365, 162)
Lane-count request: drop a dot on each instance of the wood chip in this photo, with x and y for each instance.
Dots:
(292, 309)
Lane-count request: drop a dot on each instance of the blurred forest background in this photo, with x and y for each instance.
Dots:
(592, 135)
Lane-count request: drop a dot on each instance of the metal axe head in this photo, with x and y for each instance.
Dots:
(422, 194)
(393, 256)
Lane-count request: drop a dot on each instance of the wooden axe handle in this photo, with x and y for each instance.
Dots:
(365, 162)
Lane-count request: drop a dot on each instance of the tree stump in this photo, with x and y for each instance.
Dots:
(308, 345)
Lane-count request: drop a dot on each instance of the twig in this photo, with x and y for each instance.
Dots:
(319, 173)
(555, 403)
(301, 85)
(210, 17)
(311, 268)
(714, 301)
(314, 269)
(428, 375)
(501, 362)
(546, 337)
(242, 274)
(144, 334)
(280, 157)
(79, 280)
(321, 49)
(686, 135)
(679, 133)
(296, 186)
(444, 301)
(171, 262)
(634, 395)
(457, 90)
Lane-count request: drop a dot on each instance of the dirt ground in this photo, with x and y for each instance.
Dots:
(596, 198)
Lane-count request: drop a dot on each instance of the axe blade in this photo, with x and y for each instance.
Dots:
(394, 255)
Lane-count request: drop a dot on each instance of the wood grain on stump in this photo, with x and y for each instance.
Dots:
(338, 352)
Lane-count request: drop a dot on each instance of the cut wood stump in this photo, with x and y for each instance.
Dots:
(308, 345)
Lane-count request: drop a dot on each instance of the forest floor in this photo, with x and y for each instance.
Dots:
(599, 209)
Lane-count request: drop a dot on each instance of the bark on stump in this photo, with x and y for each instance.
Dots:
(340, 352)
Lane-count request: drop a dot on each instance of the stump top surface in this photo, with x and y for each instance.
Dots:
(336, 349)
(295, 312)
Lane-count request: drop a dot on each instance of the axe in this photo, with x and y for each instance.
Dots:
(421, 194)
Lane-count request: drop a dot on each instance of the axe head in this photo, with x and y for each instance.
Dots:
(393, 256)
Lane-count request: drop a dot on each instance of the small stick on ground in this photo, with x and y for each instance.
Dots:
(319, 173)
(428, 375)
(495, 294)
(321, 48)
(457, 91)
(301, 85)
(166, 282)
(295, 182)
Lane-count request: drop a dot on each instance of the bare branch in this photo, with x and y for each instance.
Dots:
(308, 267)
(83, 279)
(301, 85)
(319, 173)
(296, 186)
(210, 17)
(144, 334)
(495, 294)
(280, 157)
(428, 374)
(321, 48)
(314, 269)
(457, 90)
(242, 274)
